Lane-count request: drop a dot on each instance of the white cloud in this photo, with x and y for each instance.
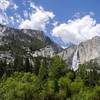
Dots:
(3, 18)
(15, 6)
(55, 23)
(38, 19)
(34, 18)
(26, 14)
(18, 18)
(77, 30)
(4, 4)
(12, 21)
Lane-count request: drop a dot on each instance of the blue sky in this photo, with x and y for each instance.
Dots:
(65, 9)
(65, 21)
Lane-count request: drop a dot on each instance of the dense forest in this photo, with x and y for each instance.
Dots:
(49, 79)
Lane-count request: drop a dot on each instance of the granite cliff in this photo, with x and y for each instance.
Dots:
(82, 53)
(34, 43)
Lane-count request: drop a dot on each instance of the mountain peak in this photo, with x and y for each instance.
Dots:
(96, 38)
(25, 41)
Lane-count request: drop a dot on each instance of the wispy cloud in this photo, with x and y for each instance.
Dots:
(38, 19)
(4, 4)
(33, 17)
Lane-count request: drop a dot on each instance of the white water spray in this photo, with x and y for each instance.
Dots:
(75, 61)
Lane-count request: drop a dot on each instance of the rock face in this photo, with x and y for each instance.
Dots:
(82, 53)
(89, 50)
(48, 51)
(35, 43)
(14, 42)
(67, 54)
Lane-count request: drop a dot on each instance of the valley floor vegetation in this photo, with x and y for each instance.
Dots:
(49, 79)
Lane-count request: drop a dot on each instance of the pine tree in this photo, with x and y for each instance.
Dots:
(3, 65)
(27, 65)
(57, 68)
(43, 70)
(18, 63)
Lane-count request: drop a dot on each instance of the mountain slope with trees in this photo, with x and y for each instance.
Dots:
(27, 72)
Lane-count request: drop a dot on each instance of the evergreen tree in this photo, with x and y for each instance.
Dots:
(3, 67)
(43, 70)
(64, 88)
(57, 68)
(36, 65)
(27, 65)
(18, 63)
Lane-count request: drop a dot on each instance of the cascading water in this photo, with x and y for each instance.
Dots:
(75, 61)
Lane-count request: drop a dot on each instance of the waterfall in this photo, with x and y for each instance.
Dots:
(75, 61)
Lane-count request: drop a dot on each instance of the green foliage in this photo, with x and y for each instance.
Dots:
(20, 86)
(3, 65)
(36, 44)
(77, 85)
(89, 73)
(19, 44)
(57, 68)
(51, 87)
(43, 74)
(82, 71)
(27, 66)
(70, 74)
(49, 79)
(64, 87)
(18, 63)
